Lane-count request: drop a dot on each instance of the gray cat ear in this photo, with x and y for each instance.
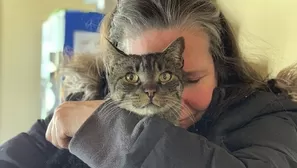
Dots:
(112, 50)
(174, 52)
(112, 54)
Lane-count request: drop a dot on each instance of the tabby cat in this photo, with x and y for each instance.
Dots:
(149, 84)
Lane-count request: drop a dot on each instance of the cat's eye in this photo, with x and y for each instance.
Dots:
(132, 78)
(165, 77)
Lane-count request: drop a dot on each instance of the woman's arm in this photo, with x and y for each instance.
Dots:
(115, 138)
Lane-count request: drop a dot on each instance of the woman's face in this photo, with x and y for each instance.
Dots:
(197, 62)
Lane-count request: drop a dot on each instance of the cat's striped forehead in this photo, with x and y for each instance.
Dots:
(170, 59)
(142, 63)
(150, 62)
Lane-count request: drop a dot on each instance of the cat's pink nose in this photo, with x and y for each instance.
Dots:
(150, 89)
(150, 92)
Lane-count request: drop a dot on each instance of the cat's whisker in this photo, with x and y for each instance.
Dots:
(178, 102)
(107, 110)
(173, 104)
(187, 109)
(128, 103)
(175, 113)
(116, 105)
(114, 110)
(103, 110)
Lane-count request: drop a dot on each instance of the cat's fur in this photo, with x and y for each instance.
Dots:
(151, 94)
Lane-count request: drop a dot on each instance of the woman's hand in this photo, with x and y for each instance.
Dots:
(67, 119)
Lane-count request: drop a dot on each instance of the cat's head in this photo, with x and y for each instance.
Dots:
(146, 84)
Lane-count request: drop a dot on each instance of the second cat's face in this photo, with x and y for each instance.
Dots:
(147, 84)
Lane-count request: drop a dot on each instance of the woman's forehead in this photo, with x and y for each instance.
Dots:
(196, 45)
(157, 40)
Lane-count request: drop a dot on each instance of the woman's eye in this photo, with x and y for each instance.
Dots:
(165, 77)
(192, 81)
(132, 78)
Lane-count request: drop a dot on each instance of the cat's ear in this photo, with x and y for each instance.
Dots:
(113, 51)
(174, 51)
(112, 54)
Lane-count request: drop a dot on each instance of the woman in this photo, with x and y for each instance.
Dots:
(241, 119)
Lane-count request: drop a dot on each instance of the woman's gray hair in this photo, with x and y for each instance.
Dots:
(133, 17)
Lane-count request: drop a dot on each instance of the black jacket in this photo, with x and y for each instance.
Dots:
(258, 131)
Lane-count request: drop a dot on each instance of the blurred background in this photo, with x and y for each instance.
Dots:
(32, 40)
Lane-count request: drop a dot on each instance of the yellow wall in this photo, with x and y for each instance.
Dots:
(20, 60)
(0, 61)
(266, 28)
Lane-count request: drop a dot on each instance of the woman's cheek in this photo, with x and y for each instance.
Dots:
(198, 95)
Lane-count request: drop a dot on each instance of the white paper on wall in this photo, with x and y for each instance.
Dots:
(86, 43)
